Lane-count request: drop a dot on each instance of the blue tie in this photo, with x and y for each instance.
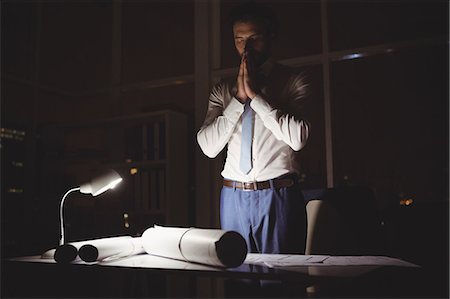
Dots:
(246, 143)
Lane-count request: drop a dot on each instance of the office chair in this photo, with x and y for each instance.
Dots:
(342, 221)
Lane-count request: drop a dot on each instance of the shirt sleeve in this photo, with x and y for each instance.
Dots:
(219, 123)
(286, 125)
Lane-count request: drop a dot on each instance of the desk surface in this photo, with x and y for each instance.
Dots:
(253, 268)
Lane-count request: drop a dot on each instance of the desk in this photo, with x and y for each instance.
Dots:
(151, 276)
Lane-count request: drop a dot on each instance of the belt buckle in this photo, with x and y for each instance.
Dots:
(255, 186)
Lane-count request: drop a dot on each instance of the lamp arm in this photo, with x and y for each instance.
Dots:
(61, 216)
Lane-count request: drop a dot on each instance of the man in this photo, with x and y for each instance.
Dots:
(258, 117)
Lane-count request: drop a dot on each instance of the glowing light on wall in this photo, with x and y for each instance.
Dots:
(406, 202)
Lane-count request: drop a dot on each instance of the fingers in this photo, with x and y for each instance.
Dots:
(245, 69)
(241, 68)
(247, 81)
(240, 85)
(246, 77)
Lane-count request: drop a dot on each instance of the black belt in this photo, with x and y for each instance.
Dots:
(284, 181)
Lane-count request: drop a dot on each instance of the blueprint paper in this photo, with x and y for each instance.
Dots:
(213, 247)
(367, 261)
(106, 247)
(110, 248)
(293, 260)
(205, 246)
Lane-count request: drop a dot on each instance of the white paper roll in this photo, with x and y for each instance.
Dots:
(163, 241)
(206, 246)
(110, 248)
(65, 253)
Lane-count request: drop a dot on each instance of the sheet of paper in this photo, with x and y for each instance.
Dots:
(367, 261)
(142, 260)
(156, 262)
(286, 260)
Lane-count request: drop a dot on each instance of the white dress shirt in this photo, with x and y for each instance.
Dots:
(278, 133)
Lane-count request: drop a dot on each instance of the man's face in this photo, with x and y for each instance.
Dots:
(251, 35)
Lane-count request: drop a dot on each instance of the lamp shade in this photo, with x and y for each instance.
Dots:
(105, 181)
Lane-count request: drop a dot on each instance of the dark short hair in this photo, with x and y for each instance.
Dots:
(255, 13)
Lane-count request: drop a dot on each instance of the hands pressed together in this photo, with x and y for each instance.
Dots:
(246, 89)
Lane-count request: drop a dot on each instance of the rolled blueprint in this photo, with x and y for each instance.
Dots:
(65, 253)
(69, 252)
(205, 246)
(110, 248)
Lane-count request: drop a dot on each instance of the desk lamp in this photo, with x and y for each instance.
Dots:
(105, 181)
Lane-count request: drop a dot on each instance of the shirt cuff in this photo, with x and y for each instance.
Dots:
(234, 110)
(261, 107)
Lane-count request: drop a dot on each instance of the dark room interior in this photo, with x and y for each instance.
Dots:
(97, 84)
